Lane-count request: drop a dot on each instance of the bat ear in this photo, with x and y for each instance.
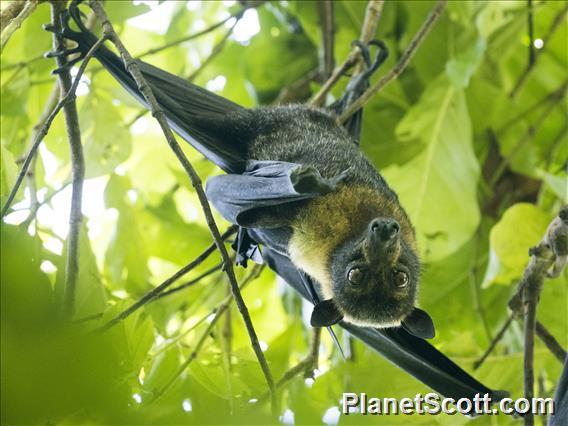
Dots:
(325, 314)
(419, 324)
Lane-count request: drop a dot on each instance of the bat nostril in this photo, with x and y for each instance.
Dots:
(375, 224)
(393, 227)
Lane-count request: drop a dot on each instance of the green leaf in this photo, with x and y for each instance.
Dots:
(557, 183)
(163, 368)
(277, 57)
(9, 172)
(26, 291)
(521, 227)
(90, 296)
(106, 140)
(126, 258)
(438, 187)
(119, 11)
(461, 68)
(15, 92)
(133, 336)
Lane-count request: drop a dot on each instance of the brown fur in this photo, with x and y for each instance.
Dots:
(326, 222)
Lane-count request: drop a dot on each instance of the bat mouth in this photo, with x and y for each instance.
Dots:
(375, 311)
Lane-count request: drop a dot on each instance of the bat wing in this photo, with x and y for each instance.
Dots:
(197, 115)
(560, 415)
(413, 354)
(200, 117)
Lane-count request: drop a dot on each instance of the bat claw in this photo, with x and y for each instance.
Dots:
(57, 53)
(49, 27)
(67, 66)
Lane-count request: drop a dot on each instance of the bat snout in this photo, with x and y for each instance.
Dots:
(384, 229)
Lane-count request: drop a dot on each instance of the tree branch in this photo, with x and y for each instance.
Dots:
(305, 367)
(494, 342)
(545, 257)
(191, 282)
(132, 66)
(214, 52)
(44, 128)
(556, 97)
(193, 36)
(533, 58)
(10, 12)
(400, 66)
(327, 23)
(550, 341)
(16, 22)
(372, 16)
(219, 311)
(68, 88)
(155, 292)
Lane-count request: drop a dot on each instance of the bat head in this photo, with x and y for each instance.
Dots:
(374, 281)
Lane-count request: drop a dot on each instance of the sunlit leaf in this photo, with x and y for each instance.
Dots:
(438, 186)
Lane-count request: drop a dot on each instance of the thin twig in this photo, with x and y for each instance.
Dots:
(400, 66)
(530, 25)
(527, 136)
(545, 259)
(218, 311)
(550, 341)
(369, 28)
(190, 283)
(68, 87)
(494, 342)
(531, 295)
(474, 285)
(531, 65)
(214, 52)
(44, 128)
(10, 12)
(305, 366)
(22, 64)
(552, 96)
(132, 66)
(372, 16)
(47, 110)
(16, 23)
(189, 37)
(327, 23)
(152, 294)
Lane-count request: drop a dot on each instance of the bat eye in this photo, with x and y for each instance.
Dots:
(355, 276)
(401, 279)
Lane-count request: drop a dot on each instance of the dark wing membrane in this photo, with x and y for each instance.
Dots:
(196, 114)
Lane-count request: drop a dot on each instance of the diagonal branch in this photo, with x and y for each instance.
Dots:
(132, 66)
(10, 12)
(77, 160)
(16, 22)
(156, 291)
(534, 56)
(305, 366)
(400, 66)
(219, 312)
(327, 23)
(43, 128)
(372, 16)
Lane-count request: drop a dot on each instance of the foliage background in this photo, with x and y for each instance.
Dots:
(438, 133)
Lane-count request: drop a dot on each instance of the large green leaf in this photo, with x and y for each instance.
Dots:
(106, 140)
(521, 227)
(90, 296)
(438, 186)
(9, 172)
(126, 257)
